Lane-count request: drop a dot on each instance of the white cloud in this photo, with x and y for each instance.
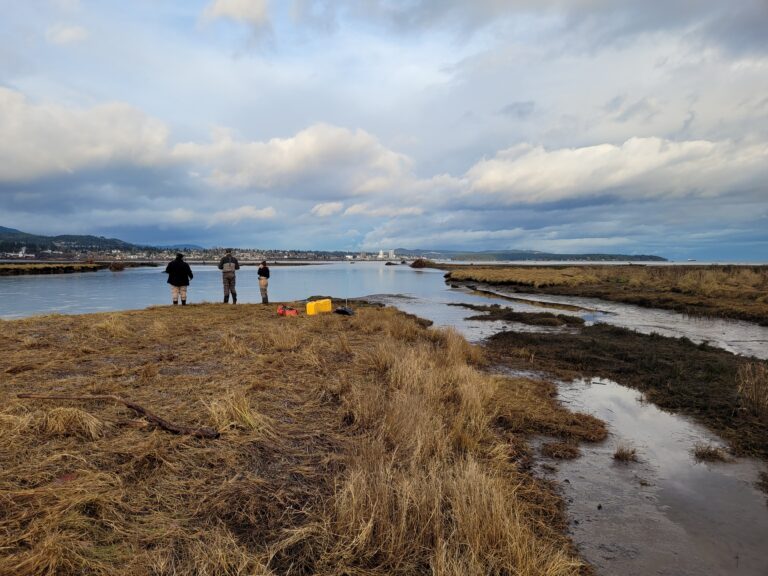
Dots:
(39, 140)
(321, 159)
(383, 211)
(65, 34)
(254, 12)
(639, 168)
(327, 209)
(242, 214)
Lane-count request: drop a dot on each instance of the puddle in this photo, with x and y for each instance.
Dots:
(444, 309)
(666, 514)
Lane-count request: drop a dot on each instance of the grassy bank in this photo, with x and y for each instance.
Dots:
(728, 393)
(362, 445)
(739, 292)
(30, 268)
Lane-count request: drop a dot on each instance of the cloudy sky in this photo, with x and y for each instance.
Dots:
(555, 125)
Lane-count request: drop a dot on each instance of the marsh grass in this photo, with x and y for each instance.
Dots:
(703, 452)
(752, 382)
(366, 445)
(65, 421)
(561, 450)
(731, 291)
(625, 453)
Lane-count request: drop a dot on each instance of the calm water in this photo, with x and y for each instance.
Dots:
(666, 514)
(421, 292)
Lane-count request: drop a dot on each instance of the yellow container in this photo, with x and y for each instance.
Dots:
(319, 306)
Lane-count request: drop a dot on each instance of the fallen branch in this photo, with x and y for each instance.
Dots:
(155, 419)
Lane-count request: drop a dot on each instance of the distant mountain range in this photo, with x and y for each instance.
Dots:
(12, 240)
(525, 255)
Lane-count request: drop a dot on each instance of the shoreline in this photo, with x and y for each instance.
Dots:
(695, 291)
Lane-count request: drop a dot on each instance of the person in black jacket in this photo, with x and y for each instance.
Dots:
(264, 281)
(179, 275)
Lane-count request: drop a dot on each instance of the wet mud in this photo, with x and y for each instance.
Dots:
(673, 373)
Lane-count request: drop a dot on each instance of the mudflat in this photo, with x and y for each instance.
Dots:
(739, 292)
(357, 445)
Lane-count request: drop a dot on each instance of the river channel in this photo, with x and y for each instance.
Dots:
(666, 514)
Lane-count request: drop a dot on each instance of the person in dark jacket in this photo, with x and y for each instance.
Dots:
(179, 275)
(228, 265)
(264, 281)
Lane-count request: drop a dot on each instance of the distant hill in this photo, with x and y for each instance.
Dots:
(526, 255)
(12, 240)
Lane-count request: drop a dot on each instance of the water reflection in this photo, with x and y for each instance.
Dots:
(667, 513)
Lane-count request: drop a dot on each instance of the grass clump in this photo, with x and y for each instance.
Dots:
(72, 422)
(561, 450)
(423, 263)
(625, 453)
(710, 453)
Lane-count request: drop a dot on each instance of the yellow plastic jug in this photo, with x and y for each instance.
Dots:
(319, 306)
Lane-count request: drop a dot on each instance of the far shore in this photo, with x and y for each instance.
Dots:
(21, 268)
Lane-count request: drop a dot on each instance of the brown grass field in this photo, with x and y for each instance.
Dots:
(348, 446)
(739, 292)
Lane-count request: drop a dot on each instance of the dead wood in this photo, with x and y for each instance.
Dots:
(154, 418)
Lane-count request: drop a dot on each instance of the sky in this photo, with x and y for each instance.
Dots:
(555, 125)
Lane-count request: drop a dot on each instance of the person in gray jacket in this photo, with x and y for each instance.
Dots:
(228, 265)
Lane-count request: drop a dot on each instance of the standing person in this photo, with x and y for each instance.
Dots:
(228, 265)
(264, 281)
(179, 275)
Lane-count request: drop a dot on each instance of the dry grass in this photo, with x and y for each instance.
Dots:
(710, 453)
(712, 281)
(561, 450)
(625, 453)
(362, 445)
(733, 291)
(752, 380)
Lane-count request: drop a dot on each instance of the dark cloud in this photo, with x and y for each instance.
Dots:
(738, 27)
(519, 110)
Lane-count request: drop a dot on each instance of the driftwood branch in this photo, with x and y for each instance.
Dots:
(154, 418)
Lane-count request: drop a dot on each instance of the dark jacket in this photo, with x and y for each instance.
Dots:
(263, 271)
(229, 264)
(179, 273)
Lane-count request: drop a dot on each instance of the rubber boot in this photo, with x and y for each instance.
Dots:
(183, 302)
(265, 300)
(234, 298)
(175, 303)
(226, 299)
